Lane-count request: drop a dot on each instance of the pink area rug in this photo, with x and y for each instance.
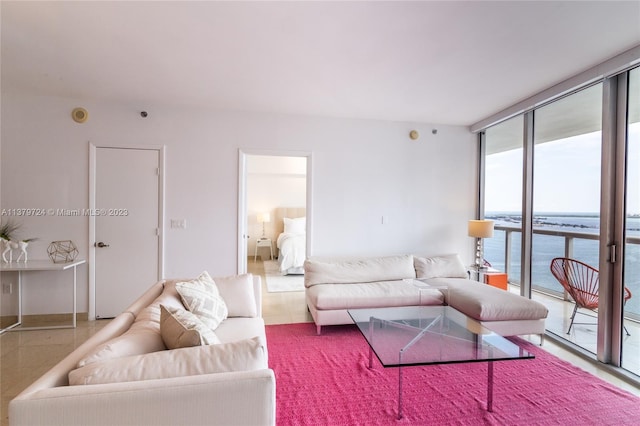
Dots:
(325, 380)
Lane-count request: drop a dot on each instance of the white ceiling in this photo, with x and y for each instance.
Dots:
(441, 62)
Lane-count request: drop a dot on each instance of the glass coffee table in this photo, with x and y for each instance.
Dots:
(425, 287)
(427, 335)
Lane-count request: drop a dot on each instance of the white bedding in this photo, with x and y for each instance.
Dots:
(292, 252)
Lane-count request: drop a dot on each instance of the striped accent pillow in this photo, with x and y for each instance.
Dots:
(200, 296)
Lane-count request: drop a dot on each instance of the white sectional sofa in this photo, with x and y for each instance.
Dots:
(334, 285)
(125, 375)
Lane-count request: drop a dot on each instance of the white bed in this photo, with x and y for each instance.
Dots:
(291, 241)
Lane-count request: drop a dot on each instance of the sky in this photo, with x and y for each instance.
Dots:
(566, 176)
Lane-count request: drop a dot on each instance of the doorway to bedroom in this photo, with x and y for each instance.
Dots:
(274, 224)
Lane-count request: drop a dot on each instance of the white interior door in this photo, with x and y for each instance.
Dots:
(127, 200)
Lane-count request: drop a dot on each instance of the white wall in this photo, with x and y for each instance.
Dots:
(362, 170)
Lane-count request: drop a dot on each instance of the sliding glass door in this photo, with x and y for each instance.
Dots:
(566, 210)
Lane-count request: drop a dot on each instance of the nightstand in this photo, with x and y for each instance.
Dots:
(263, 242)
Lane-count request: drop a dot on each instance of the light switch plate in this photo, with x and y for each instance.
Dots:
(179, 223)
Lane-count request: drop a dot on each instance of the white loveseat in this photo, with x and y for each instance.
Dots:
(124, 375)
(334, 285)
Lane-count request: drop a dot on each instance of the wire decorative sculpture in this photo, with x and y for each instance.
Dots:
(62, 251)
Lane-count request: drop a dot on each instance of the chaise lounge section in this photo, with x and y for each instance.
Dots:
(335, 285)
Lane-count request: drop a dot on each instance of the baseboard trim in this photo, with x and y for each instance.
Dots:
(43, 320)
(7, 321)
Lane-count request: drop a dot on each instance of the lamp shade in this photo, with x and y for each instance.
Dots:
(481, 228)
(264, 217)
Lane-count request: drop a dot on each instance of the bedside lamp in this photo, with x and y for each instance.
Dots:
(480, 229)
(263, 218)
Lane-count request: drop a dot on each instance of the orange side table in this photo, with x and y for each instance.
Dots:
(496, 279)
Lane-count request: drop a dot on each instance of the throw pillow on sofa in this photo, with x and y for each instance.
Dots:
(237, 293)
(446, 266)
(180, 329)
(243, 355)
(201, 297)
(236, 290)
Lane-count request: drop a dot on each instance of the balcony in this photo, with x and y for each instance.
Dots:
(503, 251)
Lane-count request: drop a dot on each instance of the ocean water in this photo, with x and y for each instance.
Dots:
(546, 247)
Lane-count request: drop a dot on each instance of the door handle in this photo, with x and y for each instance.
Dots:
(101, 244)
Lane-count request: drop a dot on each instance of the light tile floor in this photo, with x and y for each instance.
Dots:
(26, 355)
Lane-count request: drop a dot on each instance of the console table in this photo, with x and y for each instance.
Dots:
(39, 265)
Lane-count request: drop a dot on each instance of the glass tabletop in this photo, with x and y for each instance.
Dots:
(423, 335)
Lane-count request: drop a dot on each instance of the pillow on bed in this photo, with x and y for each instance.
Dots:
(295, 226)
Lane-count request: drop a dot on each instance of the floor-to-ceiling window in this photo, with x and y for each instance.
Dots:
(559, 166)
(503, 195)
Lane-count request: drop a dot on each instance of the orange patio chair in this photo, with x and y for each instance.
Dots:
(581, 281)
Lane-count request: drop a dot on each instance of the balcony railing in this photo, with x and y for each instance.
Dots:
(550, 243)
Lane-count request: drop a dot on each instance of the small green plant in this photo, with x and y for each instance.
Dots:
(8, 229)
